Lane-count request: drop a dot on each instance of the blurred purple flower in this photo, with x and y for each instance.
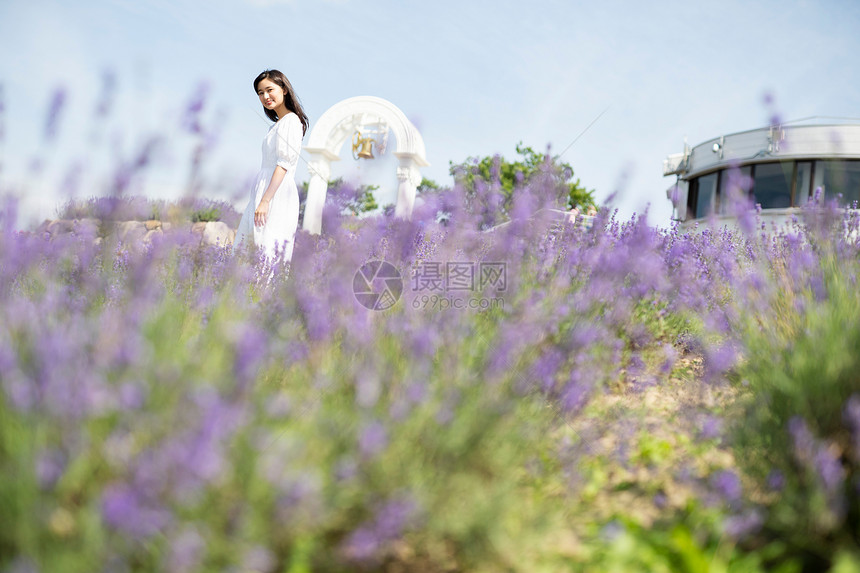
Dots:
(743, 524)
(50, 465)
(546, 367)
(361, 545)
(575, 394)
(372, 439)
(191, 117)
(2, 116)
(126, 510)
(851, 415)
(776, 480)
(132, 395)
(186, 551)
(804, 442)
(390, 520)
(22, 565)
(669, 360)
(711, 427)
(829, 468)
(251, 348)
(55, 110)
(259, 560)
(612, 530)
(368, 388)
(728, 486)
(346, 469)
(106, 97)
(416, 392)
(719, 360)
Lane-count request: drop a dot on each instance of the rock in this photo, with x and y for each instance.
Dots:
(166, 226)
(97, 241)
(198, 227)
(147, 238)
(216, 233)
(86, 227)
(60, 226)
(43, 228)
(130, 231)
(152, 225)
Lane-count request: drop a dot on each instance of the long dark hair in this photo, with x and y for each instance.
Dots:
(290, 99)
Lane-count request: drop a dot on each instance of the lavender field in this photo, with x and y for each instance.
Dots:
(620, 397)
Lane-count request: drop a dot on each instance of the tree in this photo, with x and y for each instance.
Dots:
(427, 186)
(512, 175)
(355, 200)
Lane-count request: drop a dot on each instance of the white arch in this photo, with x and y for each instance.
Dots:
(336, 126)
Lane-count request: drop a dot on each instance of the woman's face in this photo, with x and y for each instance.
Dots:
(271, 94)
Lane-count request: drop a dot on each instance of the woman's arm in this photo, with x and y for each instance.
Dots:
(262, 211)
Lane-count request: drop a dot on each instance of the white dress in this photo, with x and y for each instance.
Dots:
(281, 146)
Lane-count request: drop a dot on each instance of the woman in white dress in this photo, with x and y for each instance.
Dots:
(272, 215)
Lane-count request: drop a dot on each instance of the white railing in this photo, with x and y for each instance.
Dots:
(556, 217)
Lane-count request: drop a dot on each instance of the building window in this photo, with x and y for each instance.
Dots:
(772, 184)
(706, 195)
(839, 177)
(802, 183)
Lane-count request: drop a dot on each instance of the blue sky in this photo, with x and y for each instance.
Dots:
(475, 77)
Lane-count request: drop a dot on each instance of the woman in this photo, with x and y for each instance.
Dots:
(272, 214)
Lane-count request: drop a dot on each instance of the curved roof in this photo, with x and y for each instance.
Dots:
(767, 144)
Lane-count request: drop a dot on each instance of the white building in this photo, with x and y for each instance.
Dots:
(778, 167)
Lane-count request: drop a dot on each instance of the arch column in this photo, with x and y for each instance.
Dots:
(408, 179)
(320, 171)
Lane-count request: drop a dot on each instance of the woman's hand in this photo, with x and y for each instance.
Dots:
(262, 213)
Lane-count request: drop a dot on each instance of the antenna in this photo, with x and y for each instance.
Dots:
(581, 133)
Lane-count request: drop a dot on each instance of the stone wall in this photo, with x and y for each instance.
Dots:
(209, 233)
